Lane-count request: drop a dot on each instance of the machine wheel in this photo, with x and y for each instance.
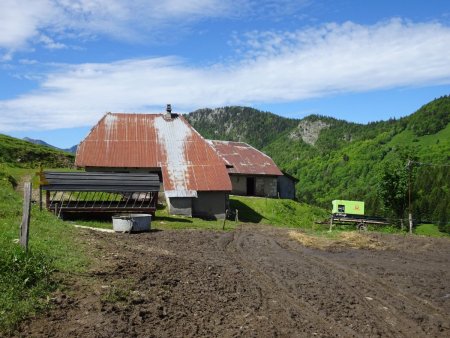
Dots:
(362, 227)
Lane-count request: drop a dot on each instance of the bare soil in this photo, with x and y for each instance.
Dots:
(252, 282)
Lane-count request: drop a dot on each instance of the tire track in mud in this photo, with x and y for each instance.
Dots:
(332, 290)
(251, 282)
(301, 316)
(409, 302)
(413, 312)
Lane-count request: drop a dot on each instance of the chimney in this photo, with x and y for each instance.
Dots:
(168, 112)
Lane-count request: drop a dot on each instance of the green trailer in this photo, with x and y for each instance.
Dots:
(343, 207)
(345, 212)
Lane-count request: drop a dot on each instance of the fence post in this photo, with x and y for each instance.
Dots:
(40, 197)
(225, 219)
(24, 226)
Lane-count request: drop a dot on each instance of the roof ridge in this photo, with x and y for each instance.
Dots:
(141, 140)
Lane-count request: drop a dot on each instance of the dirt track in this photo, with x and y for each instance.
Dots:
(252, 282)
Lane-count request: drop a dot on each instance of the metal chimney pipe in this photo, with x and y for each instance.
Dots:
(168, 115)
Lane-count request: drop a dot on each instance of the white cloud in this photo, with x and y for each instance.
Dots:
(49, 43)
(21, 21)
(277, 9)
(284, 66)
(24, 23)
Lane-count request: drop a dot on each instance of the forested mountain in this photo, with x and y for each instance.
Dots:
(335, 159)
(240, 124)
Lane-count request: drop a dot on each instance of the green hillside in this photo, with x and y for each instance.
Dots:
(240, 124)
(23, 154)
(335, 159)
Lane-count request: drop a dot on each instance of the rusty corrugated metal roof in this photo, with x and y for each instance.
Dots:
(188, 163)
(242, 158)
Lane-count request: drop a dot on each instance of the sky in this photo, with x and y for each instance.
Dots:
(65, 63)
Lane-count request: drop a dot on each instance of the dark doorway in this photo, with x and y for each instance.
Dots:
(250, 186)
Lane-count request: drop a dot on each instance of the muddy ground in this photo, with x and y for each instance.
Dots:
(251, 282)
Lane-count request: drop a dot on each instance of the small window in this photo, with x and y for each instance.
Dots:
(341, 208)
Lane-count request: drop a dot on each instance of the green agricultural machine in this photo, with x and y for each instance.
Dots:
(343, 207)
(345, 212)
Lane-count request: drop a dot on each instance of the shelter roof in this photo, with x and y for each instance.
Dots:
(242, 158)
(100, 181)
(188, 163)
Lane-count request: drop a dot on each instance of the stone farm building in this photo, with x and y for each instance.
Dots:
(195, 174)
(252, 172)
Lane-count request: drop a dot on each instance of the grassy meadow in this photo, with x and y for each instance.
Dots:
(27, 278)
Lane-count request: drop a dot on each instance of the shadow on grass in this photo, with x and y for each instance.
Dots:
(246, 214)
(88, 216)
(160, 206)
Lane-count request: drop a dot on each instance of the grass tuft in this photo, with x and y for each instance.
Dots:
(25, 281)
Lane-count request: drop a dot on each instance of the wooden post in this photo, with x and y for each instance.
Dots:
(24, 226)
(40, 197)
(47, 199)
(40, 173)
(410, 222)
(409, 197)
(225, 219)
(331, 223)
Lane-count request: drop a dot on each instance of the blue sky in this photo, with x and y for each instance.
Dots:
(64, 63)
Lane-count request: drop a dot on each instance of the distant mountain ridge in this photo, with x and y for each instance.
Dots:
(262, 129)
(336, 159)
(39, 142)
(24, 154)
(72, 150)
(240, 124)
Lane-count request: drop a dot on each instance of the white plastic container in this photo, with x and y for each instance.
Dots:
(132, 222)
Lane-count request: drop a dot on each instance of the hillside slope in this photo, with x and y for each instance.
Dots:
(240, 124)
(335, 159)
(24, 154)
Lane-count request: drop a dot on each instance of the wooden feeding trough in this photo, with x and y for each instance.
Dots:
(99, 192)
